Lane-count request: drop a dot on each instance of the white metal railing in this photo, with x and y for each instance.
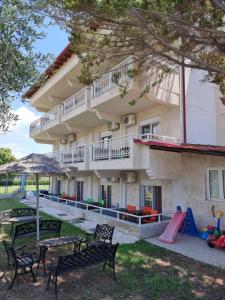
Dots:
(76, 100)
(114, 213)
(72, 155)
(51, 116)
(35, 126)
(116, 148)
(160, 138)
(109, 80)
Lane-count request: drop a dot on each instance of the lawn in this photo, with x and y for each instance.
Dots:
(144, 271)
(12, 188)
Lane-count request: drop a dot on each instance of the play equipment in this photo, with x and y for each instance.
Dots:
(168, 236)
(188, 225)
(215, 238)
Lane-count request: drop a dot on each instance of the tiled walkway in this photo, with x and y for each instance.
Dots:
(118, 236)
(195, 248)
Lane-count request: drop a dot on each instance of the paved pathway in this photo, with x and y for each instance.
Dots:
(195, 248)
(89, 226)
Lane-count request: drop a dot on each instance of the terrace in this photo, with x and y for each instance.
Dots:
(138, 223)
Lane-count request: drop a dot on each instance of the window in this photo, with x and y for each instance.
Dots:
(149, 128)
(216, 183)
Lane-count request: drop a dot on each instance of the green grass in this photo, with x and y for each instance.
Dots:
(144, 271)
(12, 188)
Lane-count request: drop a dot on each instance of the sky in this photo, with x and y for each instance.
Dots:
(18, 138)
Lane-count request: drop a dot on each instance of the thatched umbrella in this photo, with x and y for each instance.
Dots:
(36, 164)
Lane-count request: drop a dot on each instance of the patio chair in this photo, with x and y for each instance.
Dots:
(23, 261)
(131, 208)
(150, 211)
(103, 234)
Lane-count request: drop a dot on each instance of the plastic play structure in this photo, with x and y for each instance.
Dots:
(168, 236)
(183, 222)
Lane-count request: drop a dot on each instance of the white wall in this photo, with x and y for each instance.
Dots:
(200, 109)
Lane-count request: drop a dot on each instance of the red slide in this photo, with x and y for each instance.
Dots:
(169, 234)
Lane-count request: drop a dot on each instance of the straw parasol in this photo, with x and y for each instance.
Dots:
(37, 164)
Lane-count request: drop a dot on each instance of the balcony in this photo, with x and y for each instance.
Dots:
(35, 127)
(112, 79)
(118, 148)
(76, 104)
(75, 155)
(120, 153)
(91, 106)
(52, 118)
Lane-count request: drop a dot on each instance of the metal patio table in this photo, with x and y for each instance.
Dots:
(57, 242)
(17, 220)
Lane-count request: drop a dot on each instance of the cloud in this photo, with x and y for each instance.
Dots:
(18, 138)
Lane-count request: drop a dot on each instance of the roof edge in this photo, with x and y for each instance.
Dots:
(64, 55)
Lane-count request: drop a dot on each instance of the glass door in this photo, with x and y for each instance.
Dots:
(79, 189)
(150, 196)
(106, 195)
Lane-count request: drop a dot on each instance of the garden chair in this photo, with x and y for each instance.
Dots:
(103, 234)
(23, 261)
(150, 211)
(131, 208)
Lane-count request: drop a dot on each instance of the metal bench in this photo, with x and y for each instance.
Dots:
(30, 228)
(90, 256)
(16, 212)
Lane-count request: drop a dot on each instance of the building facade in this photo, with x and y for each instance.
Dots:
(151, 154)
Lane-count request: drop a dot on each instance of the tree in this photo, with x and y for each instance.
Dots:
(6, 156)
(160, 33)
(20, 64)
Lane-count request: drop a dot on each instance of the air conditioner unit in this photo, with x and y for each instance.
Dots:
(128, 177)
(115, 179)
(114, 126)
(63, 140)
(71, 138)
(129, 120)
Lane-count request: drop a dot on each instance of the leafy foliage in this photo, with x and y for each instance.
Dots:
(159, 33)
(20, 23)
(6, 156)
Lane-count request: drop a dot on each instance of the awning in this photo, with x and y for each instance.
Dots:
(180, 148)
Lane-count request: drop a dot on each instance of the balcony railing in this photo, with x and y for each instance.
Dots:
(109, 80)
(111, 149)
(75, 101)
(160, 138)
(117, 148)
(52, 116)
(72, 155)
(112, 213)
(35, 126)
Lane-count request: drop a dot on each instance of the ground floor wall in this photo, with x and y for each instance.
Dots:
(190, 189)
(186, 186)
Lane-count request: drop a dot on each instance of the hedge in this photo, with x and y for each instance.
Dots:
(28, 182)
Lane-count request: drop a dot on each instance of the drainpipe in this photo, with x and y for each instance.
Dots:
(183, 103)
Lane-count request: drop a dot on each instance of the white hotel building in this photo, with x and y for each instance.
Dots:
(166, 150)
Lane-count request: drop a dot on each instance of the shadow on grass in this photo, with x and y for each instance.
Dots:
(144, 271)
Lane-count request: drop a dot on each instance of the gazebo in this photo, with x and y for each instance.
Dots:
(37, 164)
